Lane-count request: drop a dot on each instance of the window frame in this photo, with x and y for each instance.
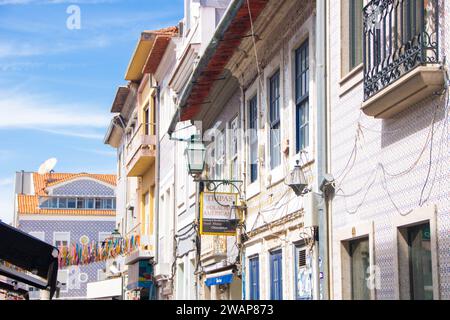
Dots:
(59, 233)
(274, 122)
(254, 262)
(343, 236)
(416, 217)
(233, 156)
(273, 256)
(355, 55)
(302, 100)
(253, 139)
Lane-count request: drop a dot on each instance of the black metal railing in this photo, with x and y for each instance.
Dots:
(399, 36)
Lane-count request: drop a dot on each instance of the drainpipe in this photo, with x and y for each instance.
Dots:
(321, 258)
(244, 171)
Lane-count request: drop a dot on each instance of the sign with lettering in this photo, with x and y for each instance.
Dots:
(216, 214)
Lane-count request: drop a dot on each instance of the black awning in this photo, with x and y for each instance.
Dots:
(30, 254)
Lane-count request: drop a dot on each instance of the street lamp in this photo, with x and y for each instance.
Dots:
(116, 234)
(297, 180)
(195, 154)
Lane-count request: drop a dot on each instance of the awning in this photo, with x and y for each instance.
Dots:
(219, 278)
(28, 253)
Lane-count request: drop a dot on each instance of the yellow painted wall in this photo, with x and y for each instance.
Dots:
(147, 184)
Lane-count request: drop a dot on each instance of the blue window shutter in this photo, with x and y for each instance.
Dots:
(276, 276)
(254, 278)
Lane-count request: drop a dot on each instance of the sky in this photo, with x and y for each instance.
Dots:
(57, 83)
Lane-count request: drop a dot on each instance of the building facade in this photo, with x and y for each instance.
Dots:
(388, 116)
(328, 122)
(64, 209)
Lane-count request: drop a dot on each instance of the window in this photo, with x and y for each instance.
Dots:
(63, 278)
(146, 200)
(412, 19)
(302, 96)
(253, 128)
(72, 203)
(62, 203)
(275, 134)
(80, 203)
(38, 234)
(355, 33)
(234, 149)
(90, 203)
(359, 266)
(254, 278)
(98, 204)
(147, 120)
(220, 155)
(61, 239)
(420, 266)
(303, 275)
(107, 204)
(53, 202)
(276, 276)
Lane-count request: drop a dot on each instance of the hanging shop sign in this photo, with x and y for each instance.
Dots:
(217, 216)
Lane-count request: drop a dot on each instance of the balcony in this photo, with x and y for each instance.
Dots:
(214, 249)
(141, 150)
(401, 55)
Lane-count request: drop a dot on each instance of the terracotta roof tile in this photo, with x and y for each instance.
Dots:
(42, 181)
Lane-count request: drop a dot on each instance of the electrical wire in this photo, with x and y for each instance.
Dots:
(430, 139)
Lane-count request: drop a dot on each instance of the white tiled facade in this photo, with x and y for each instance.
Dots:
(397, 144)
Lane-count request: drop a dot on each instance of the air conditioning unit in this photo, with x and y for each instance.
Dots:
(310, 210)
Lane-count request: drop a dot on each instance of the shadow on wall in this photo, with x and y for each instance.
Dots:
(413, 120)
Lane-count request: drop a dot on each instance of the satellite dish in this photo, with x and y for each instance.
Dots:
(47, 166)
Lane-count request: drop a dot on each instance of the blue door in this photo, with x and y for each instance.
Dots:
(276, 276)
(254, 278)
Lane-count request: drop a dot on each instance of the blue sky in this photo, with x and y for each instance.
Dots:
(57, 85)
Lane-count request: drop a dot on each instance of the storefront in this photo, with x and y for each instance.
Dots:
(141, 285)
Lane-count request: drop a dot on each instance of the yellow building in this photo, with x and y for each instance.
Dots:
(133, 132)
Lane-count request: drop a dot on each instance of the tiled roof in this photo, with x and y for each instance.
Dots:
(42, 181)
(29, 204)
(159, 48)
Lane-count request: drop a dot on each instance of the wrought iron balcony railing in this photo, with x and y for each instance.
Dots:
(399, 36)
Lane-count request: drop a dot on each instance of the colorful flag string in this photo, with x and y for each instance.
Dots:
(77, 254)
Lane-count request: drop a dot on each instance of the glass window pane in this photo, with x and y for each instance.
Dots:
(359, 264)
(421, 276)
(253, 126)
(72, 203)
(80, 203)
(62, 203)
(90, 203)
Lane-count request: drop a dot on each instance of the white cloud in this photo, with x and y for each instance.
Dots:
(29, 49)
(40, 112)
(80, 133)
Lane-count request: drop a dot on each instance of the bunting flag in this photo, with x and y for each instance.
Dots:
(77, 254)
